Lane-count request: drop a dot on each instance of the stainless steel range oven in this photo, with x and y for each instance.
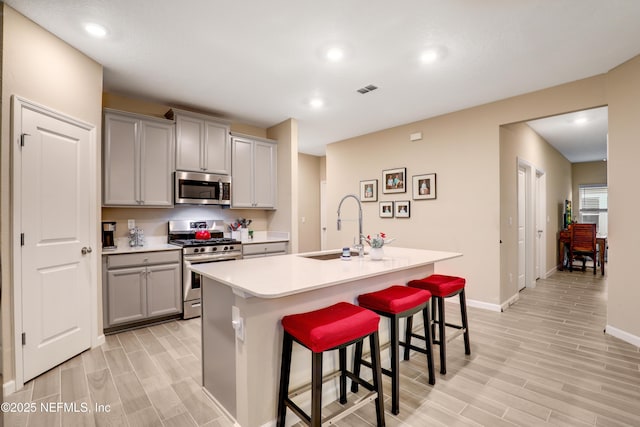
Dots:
(210, 246)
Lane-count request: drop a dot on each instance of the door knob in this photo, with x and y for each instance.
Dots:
(86, 250)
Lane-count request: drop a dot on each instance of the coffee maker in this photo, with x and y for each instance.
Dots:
(108, 235)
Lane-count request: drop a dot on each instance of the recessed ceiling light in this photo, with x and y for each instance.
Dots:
(429, 56)
(95, 30)
(580, 120)
(316, 102)
(432, 54)
(335, 54)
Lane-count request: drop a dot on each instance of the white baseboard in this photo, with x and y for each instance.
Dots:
(509, 302)
(477, 304)
(9, 388)
(484, 305)
(624, 336)
(100, 339)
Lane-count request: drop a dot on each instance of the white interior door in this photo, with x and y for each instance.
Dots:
(55, 219)
(522, 217)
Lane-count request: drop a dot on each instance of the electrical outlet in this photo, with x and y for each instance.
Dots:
(131, 223)
(237, 323)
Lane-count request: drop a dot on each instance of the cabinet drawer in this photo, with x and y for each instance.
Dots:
(143, 258)
(265, 248)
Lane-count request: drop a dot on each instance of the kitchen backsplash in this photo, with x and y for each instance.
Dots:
(154, 221)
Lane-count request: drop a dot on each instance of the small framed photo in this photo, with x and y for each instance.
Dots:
(424, 186)
(403, 209)
(394, 180)
(369, 190)
(386, 209)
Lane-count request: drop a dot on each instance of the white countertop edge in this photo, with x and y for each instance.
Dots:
(245, 292)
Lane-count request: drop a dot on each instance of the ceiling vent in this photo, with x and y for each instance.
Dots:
(367, 89)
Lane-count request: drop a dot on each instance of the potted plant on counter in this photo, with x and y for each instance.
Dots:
(377, 252)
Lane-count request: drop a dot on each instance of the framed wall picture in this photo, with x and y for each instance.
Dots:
(403, 209)
(424, 186)
(394, 180)
(386, 209)
(369, 190)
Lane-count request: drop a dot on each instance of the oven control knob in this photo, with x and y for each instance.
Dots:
(196, 250)
(230, 248)
(226, 248)
(215, 248)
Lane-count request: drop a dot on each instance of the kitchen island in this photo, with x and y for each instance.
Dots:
(243, 302)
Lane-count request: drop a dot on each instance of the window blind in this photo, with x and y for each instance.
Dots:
(593, 198)
(594, 206)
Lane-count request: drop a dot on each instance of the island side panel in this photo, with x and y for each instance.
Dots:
(218, 345)
(258, 357)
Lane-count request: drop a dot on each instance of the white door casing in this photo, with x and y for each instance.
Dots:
(522, 252)
(323, 215)
(54, 218)
(541, 224)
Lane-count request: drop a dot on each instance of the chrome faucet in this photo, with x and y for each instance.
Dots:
(360, 245)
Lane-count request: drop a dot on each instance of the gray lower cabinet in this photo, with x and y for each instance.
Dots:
(141, 286)
(257, 250)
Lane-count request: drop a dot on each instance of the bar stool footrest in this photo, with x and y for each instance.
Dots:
(331, 419)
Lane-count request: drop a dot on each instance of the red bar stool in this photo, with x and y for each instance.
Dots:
(442, 287)
(330, 328)
(395, 303)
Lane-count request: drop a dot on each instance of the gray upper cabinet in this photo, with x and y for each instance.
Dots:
(254, 166)
(138, 160)
(202, 143)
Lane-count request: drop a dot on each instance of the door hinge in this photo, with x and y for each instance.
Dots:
(24, 338)
(22, 138)
(21, 239)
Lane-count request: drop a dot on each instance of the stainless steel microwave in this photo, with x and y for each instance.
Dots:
(197, 188)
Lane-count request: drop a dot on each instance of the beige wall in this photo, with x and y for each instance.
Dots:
(39, 67)
(586, 173)
(308, 203)
(623, 87)
(154, 109)
(284, 218)
(519, 143)
(463, 149)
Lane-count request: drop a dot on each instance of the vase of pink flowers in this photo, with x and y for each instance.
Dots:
(377, 243)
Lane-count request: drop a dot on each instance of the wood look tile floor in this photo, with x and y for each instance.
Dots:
(545, 361)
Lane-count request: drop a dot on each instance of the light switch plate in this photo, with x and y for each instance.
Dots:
(131, 223)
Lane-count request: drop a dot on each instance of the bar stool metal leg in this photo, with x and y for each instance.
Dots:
(285, 375)
(316, 390)
(395, 366)
(465, 323)
(374, 344)
(442, 340)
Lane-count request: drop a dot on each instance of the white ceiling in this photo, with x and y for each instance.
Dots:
(260, 62)
(580, 136)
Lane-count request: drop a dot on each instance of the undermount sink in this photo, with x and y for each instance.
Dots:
(328, 256)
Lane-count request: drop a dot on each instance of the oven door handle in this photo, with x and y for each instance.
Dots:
(201, 260)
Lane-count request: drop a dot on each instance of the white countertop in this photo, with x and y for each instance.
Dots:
(275, 277)
(152, 244)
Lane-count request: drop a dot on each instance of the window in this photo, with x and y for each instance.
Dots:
(593, 206)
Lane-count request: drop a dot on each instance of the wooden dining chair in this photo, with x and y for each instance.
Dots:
(583, 243)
